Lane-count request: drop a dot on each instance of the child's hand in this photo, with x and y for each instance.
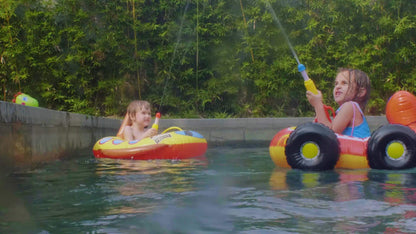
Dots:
(314, 99)
(150, 132)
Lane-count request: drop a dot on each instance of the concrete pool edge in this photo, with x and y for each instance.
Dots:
(34, 135)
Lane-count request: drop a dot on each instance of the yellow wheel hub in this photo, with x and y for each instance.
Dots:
(395, 149)
(309, 150)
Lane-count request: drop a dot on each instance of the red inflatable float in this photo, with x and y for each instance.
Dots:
(313, 146)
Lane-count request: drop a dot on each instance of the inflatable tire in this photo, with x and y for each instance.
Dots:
(312, 146)
(392, 147)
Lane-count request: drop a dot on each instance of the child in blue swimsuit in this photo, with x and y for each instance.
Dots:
(351, 92)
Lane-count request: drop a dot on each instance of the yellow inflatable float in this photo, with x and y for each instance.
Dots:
(179, 144)
(173, 143)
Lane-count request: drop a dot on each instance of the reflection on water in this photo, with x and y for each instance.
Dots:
(126, 173)
(230, 190)
(353, 200)
(145, 180)
(397, 188)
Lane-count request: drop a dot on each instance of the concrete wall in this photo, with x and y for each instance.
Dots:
(246, 131)
(32, 135)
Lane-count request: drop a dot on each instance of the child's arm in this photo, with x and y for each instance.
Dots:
(316, 101)
(120, 132)
(341, 120)
(150, 132)
(344, 117)
(128, 133)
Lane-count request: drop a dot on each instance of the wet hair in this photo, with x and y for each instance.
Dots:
(136, 106)
(362, 82)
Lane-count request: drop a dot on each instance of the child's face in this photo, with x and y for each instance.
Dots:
(143, 117)
(344, 88)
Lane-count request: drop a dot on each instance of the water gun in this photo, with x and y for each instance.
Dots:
(310, 86)
(156, 124)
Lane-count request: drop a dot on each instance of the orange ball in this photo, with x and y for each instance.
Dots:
(401, 109)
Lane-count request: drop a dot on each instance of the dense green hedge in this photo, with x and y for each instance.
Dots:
(201, 58)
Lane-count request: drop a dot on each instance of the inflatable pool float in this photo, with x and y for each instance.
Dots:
(24, 99)
(313, 146)
(177, 144)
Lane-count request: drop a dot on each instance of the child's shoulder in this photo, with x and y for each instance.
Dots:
(128, 128)
(350, 105)
(346, 106)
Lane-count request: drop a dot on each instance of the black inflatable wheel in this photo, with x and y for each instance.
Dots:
(392, 147)
(312, 146)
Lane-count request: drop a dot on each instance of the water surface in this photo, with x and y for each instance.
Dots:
(230, 190)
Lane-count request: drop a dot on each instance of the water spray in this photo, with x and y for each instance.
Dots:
(178, 39)
(309, 85)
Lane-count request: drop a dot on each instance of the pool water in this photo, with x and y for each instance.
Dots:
(230, 190)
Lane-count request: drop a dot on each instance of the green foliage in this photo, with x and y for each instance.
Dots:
(201, 58)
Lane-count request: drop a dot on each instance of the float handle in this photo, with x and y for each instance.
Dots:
(156, 124)
(328, 115)
(172, 128)
(327, 110)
